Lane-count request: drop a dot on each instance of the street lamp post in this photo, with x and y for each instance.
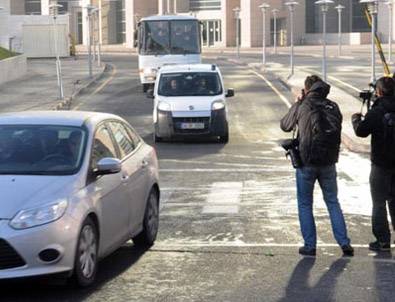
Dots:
(264, 7)
(275, 11)
(291, 6)
(54, 8)
(391, 12)
(373, 9)
(237, 17)
(91, 10)
(324, 4)
(339, 36)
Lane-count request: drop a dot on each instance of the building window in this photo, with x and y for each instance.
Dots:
(211, 32)
(33, 7)
(121, 22)
(205, 5)
(359, 22)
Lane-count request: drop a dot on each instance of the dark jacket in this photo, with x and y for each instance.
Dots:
(300, 115)
(373, 124)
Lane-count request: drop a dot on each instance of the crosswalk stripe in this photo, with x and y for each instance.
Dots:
(224, 197)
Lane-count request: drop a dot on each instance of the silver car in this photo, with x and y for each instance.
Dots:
(74, 187)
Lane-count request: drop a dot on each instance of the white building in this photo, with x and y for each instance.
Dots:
(117, 19)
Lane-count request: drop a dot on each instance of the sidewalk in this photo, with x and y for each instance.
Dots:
(348, 103)
(38, 89)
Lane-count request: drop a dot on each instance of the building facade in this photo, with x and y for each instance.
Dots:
(117, 20)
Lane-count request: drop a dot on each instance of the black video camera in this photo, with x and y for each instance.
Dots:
(368, 96)
(291, 146)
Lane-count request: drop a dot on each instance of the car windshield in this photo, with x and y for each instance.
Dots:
(190, 84)
(41, 150)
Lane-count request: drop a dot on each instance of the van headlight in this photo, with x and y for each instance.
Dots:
(163, 106)
(217, 105)
(38, 216)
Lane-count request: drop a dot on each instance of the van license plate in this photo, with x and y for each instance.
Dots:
(192, 125)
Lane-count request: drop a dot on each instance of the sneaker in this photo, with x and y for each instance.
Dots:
(348, 250)
(379, 246)
(306, 251)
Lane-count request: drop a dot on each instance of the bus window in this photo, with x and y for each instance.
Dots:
(184, 37)
(156, 34)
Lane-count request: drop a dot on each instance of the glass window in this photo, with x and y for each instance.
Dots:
(124, 141)
(184, 37)
(103, 146)
(205, 5)
(190, 84)
(41, 150)
(156, 40)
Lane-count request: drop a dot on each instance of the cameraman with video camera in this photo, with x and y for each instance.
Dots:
(379, 122)
(318, 142)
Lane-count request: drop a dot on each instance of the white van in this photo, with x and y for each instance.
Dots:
(190, 100)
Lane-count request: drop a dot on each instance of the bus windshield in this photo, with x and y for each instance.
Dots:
(169, 37)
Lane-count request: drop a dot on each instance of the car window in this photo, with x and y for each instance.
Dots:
(103, 146)
(135, 137)
(124, 141)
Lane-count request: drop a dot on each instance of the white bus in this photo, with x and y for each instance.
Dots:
(166, 40)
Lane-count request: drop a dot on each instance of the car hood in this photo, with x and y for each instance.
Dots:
(24, 192)
(191, 103)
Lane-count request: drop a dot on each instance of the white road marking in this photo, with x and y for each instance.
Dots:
(282, 97)
(224, 197)
(241, 244)
(164, 198)
(268, 169)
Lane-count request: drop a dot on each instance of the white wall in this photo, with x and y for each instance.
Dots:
(12, 68)
(17, 23)
(4, 22)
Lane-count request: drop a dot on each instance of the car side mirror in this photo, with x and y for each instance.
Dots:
(108, 165)
(230, 93)
(150, 94)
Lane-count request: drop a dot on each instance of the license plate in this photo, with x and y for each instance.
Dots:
(192, 125)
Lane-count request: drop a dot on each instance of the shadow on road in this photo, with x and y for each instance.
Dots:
(56, 289)
(299, 289)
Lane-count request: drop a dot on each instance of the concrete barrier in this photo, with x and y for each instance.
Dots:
(12, 68)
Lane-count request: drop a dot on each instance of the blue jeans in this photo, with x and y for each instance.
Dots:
(305, 180)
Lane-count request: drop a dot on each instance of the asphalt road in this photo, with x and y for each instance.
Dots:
(229, 228)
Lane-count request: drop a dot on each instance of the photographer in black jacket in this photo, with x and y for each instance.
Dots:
(382, 176)
(319, 128)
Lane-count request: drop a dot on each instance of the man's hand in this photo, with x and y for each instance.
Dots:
(356, 117)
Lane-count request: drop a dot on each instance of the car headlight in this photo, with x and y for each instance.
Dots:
(39, 216)
(163, 106)
(218, 105)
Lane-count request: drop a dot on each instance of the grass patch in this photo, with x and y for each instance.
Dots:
(4, 53)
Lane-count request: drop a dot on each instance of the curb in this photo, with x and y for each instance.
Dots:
(347, 141)
(66, 103)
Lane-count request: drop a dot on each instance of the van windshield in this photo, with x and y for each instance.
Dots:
(190, 84)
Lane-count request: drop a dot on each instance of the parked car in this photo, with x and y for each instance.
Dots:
(190, 100)
(75, 186)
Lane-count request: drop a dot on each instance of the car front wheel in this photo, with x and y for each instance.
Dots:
(86, 262)
(150, 223)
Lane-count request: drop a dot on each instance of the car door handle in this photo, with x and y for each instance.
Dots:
(144, 164)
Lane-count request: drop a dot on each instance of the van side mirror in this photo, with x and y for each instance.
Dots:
(230, 93)
(150, 94)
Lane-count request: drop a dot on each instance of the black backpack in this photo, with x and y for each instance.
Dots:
(325, 127)
(389, 135)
